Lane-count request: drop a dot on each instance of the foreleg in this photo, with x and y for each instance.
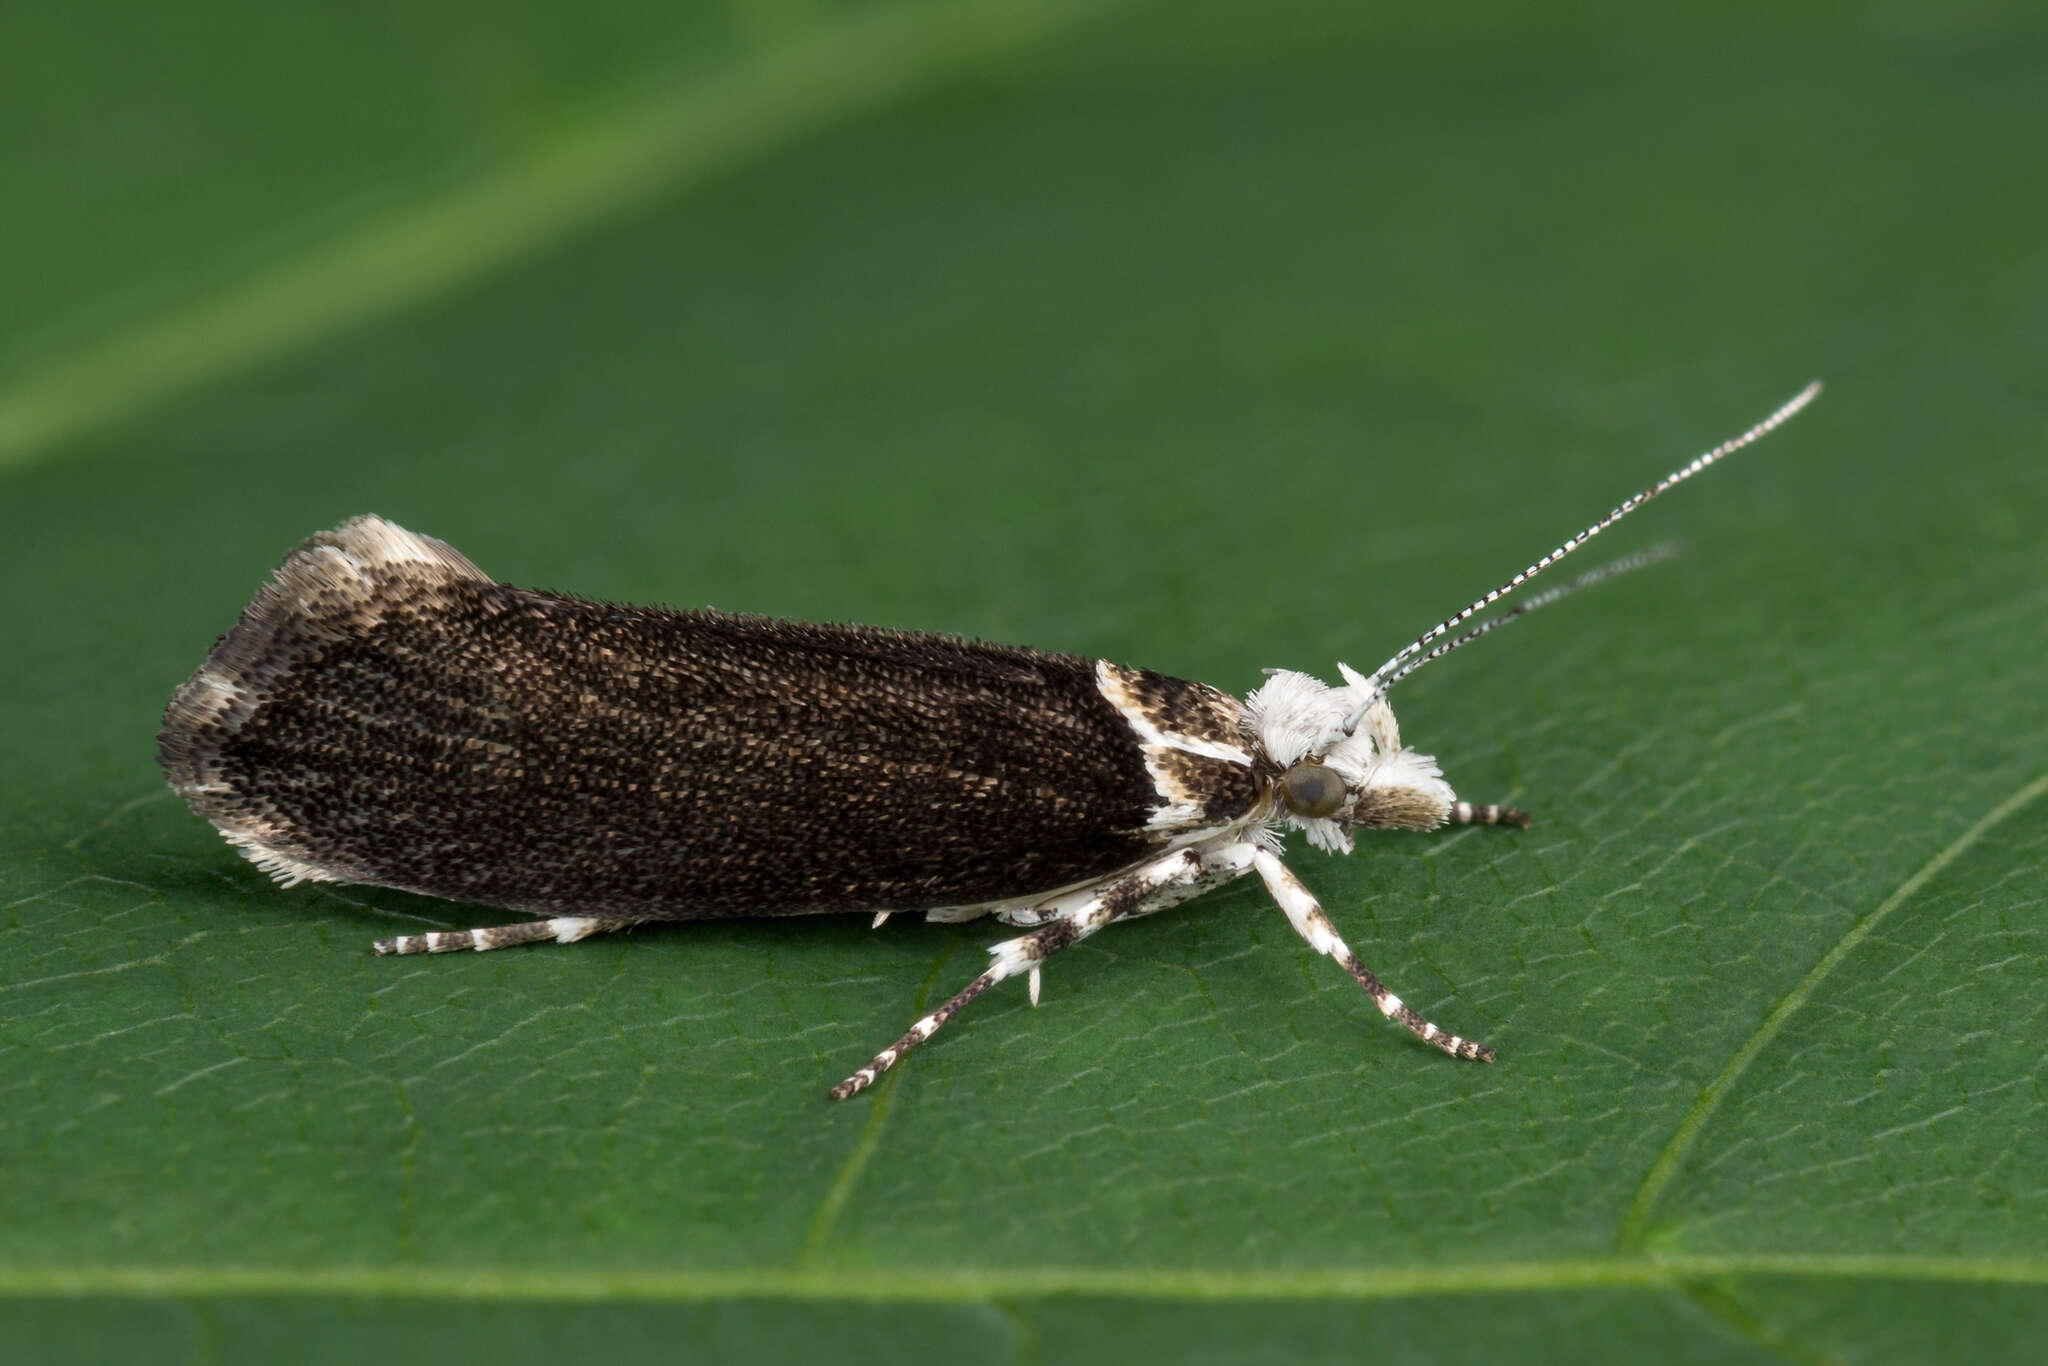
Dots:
(1311, 924)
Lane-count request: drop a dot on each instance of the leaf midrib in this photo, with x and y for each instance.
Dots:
(944, 1285)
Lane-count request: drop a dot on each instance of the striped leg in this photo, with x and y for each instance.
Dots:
(1028, 952)
(563, 929)
(1219, 865)
(1466, 813)
(1311, 924)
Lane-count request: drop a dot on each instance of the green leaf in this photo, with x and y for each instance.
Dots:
(1200, 338)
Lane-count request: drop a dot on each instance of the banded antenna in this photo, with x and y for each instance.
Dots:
(1400, 666)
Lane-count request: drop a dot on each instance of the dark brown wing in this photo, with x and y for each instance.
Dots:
(384, 712)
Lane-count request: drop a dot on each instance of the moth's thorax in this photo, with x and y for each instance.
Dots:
(1297, 719)
(1194, 744)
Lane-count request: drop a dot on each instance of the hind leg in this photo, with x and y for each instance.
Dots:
(563, 929)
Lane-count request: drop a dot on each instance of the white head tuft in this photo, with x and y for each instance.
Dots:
(1299, 719)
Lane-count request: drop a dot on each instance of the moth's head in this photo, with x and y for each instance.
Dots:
(1327, 781)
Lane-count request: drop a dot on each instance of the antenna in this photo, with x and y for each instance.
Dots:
(1627, 564)
(1392, 671)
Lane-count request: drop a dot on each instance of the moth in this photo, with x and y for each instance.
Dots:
(384, 712)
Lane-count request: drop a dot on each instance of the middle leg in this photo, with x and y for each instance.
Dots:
(1027, 952)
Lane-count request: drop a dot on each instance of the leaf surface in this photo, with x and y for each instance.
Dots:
(1201, 339)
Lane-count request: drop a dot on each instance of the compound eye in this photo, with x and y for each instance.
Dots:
(1312, 790)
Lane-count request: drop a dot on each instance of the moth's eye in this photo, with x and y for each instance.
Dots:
(1312, 790)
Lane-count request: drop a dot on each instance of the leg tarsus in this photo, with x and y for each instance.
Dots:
(912, 1037)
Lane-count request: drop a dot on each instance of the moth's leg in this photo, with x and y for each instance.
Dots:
(1219, 865)
(1226, 863)
(563, 929)
(1028, 917)
(1311, 924)
(1469, 813)
(1027, 952)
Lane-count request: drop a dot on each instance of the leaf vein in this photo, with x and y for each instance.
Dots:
(1665, 1167)
(840, 70)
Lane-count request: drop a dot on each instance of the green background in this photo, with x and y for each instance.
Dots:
(1200, 337)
